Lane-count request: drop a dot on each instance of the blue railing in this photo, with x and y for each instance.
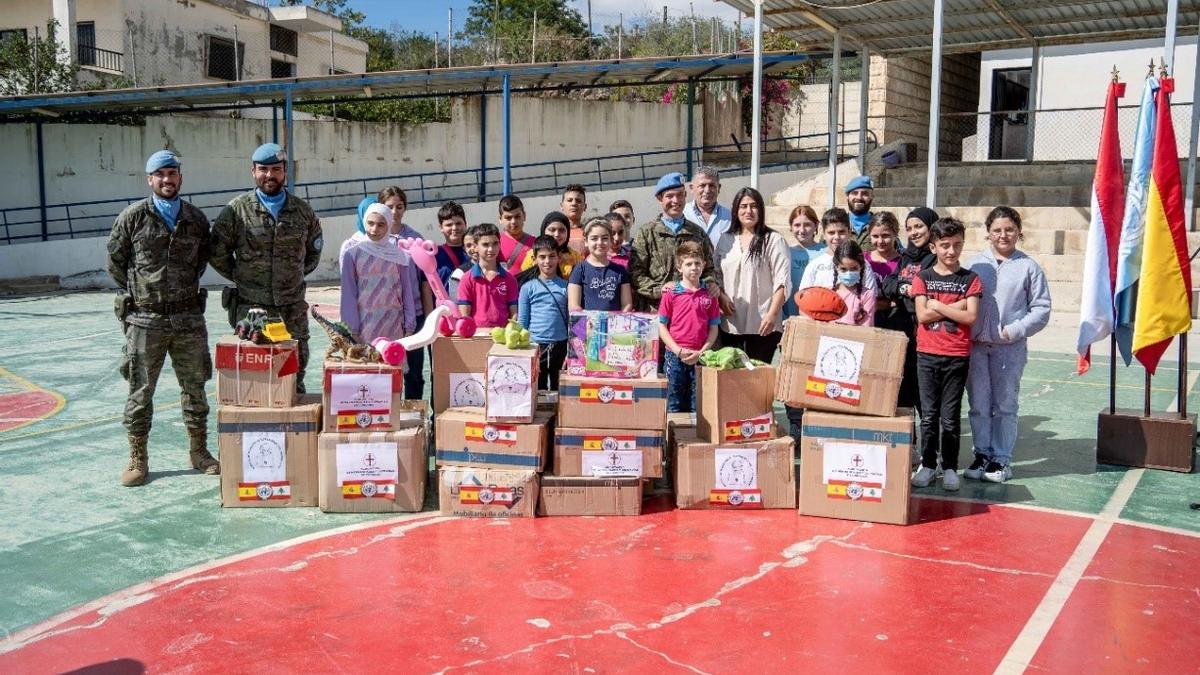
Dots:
(71, 220)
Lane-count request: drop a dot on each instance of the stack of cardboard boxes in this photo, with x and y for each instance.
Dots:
(266, 437)
(856, 447)
(491, 436)
(372, 452)
(734, 457)
(612, 413)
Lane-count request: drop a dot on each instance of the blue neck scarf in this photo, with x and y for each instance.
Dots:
(672, 224)
(168, 209)
(859, 222)
(272, 204)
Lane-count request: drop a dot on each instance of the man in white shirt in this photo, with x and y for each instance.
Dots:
(822, 270)
(704, 209)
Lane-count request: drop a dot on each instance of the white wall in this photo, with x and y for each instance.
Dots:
(1077, 76)
(81, 262)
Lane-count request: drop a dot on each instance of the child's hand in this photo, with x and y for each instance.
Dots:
(860, 315)
(906, 290)
(689, 356)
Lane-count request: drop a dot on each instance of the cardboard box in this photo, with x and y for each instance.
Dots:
(363, 396)
(608, 453)
(856, 468)
(511, 380)
(487, 493)
(757, 475)
(458, 372)
(259, 376)
(598, 403)
(269, 455)
(373, 471)
(612, 344)
(735, 405)
(575, 496)
(847, 369)
(465, 438)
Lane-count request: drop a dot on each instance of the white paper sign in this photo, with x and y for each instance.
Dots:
(263, 457)
(612, 463)
(466, 389)
(367, 461)
(508, 387)
(353, 392)
(838, 360)
(736, 468)
(854, 462)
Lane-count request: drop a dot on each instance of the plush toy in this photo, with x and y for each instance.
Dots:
(820, 303)
(512, 336)
(450, 322)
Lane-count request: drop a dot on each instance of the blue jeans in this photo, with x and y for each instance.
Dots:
(681, 384)
(992, 388)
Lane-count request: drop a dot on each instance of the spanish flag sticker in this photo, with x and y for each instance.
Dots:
(599, 392)
(753, 429)
(836, 391)
(738, 499)
(854, 491)
(368, 489)
(364, 419)
(484, 495)
(500, 434)
(265, 491)
(610, 443)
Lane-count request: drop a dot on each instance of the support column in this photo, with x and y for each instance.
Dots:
(864, 104)
(1189, 189)
(64, 14)
(289, 123)
(756, 104)
(507, 136)
(41, 162)
(835, 99)
(1169, 43)
(483, 136)
(935, 107)
(1035, 78)
(691, 124)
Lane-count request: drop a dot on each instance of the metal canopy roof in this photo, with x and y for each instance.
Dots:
(432, 82)
(899, 26)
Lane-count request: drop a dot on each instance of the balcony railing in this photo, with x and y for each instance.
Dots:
(103, 59)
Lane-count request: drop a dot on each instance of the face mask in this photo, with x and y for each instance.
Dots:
(850, 278)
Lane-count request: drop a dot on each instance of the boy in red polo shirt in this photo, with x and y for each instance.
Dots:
(515, 244)
(488, 292)
(947, 302)
(689, 315)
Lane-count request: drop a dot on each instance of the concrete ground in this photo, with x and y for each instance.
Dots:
(1068, 567)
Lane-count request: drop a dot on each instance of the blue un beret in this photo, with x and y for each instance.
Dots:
(268, 153)
(163, 159)
(668, 182)
(860, 182)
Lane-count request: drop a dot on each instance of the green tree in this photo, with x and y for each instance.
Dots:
(36, 65)
(503, 30)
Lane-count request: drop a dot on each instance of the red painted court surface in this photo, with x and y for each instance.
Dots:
(671, 591)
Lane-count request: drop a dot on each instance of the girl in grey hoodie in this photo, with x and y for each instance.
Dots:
(1014, 306)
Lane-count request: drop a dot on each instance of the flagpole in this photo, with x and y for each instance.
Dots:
(1112, 374)
(1183, 369)
(1146, 396)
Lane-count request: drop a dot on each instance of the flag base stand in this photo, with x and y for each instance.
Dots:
(1162, 441)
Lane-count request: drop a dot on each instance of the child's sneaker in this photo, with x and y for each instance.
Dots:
(975, 471)
(997, 472)
(950, 480)
(923, 476)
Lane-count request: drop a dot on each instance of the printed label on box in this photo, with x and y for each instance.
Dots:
(264, 467)
(612, 463)
(850, 394)
(480, 495)
(746, 499)
(599, 392)
(361, 400)
(838, 360)
(466, 389)
(508, 385)
(367, 470)
(736, 468)
(479, 432)
(854, 471)
(255, 357)
(754, 428)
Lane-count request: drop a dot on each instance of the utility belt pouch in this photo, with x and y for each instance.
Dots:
(122, 306)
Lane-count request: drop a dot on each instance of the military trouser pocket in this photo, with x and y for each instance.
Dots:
(229, 303)
(122, 304)
(125, 361)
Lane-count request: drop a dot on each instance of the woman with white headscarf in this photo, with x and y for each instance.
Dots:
(379, 298)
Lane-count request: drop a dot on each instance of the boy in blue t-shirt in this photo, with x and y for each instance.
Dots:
(542, 309)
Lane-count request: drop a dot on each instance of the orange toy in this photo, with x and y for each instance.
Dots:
(820, 303)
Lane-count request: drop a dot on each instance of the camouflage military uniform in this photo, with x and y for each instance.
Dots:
(268, 258)
(162, 309)
(652, 260)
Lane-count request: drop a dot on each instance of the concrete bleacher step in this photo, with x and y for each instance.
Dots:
(1032, 218)
(991, 174)
(29, 285)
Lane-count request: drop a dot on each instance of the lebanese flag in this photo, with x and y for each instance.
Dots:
(1108, 211)
(1164, 304)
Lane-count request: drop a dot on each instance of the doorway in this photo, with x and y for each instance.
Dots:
(1009, 123)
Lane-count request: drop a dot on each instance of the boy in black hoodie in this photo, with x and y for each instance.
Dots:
(915, 257)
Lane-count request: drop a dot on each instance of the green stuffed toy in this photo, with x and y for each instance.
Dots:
(512, 336)
(728, 358)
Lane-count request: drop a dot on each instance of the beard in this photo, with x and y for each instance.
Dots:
(859, 207)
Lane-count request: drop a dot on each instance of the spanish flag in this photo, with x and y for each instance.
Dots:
(500, 434)
(736, 499)
(1164, 304)
(597, 392)
(752, 429)
(610, 442)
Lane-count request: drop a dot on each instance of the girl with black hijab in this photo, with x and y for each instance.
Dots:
(915, 257)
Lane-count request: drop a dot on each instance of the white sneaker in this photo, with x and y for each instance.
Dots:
(975, 471)
(997, 473)
(950, 480)
(923, 476)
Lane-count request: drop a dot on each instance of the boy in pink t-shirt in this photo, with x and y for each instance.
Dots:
(487, 292)
(689, 317)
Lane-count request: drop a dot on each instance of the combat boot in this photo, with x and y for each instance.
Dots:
(201, 459)
(139, 462)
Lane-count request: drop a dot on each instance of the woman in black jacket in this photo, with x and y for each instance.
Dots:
(915, 257)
